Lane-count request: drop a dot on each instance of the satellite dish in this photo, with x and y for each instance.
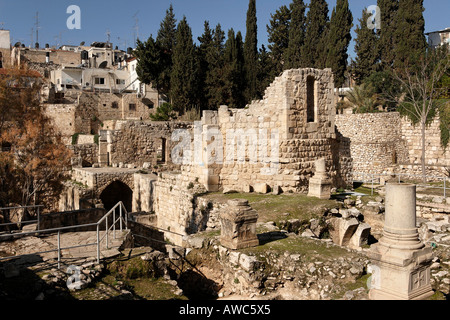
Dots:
(82, 43)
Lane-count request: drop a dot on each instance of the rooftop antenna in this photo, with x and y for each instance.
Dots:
(108, 35)
(37, 26)
(2, 25)
(32, 38)
(136, 27)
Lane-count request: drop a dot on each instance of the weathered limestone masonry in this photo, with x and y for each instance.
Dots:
(376, 142)
(384, 140)
(401, 261)
(174, 205)
(140, 144)
(63, 118)
(435, 155)
(84, 155)
(85, 112)
(290, 129)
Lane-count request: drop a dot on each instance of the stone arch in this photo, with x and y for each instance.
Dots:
(115, 192)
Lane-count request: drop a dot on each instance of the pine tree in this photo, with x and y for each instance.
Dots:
(278, 37)
(410, 42)
(312, 52)
(166, 39)
(388, 12)
(183, 71)
(251, 52)
(367, 53)
(148, 68)
(338, 40)
(297, 32)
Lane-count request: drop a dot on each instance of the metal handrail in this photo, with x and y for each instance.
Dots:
(122, 212)
(38, 216)
(399, 175)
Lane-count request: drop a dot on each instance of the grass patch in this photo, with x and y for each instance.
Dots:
(271, 207)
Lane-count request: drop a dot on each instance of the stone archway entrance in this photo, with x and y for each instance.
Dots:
(115, 192)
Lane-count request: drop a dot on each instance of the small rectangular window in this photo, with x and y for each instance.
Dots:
(99, 80)
(115, 105)
(120, 81)
(132, 107)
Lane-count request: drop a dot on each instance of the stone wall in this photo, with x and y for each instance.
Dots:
(84, 155)
(387, 141)
(56, 56)
(72, 218)
(143, 192)
(63, 118)
(376, 142)
(174, 205)
(281, 136)
(435, 155)
(141, 144)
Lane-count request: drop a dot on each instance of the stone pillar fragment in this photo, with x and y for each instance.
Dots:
(320, 184)
(238, 222)
(402, 261)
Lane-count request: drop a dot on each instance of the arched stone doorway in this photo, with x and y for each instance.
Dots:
(117, 191)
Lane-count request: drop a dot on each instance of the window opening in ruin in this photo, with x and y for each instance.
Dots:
(115, 105)
(161, 151)
(310, 99)
(132, 107)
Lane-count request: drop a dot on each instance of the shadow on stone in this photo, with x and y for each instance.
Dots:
(270, 236)
(196, 286)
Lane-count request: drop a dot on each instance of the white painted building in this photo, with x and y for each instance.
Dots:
(438, 38)
(80, 78)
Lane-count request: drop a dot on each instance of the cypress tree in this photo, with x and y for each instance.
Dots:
(251, 52)
(202, 65)
(183, 70)
(215, 83)
(388, 12)
(234, 63)
(338, 40)
(278, 37)
(166, 39)
(297, 33)
(266, 70)
(312, 52)
(367, 53)
(410, 42)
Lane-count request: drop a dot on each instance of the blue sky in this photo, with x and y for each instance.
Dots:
(97, 17)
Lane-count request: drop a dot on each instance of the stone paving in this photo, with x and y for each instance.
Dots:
(36, 244)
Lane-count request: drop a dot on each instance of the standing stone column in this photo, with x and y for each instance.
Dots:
(401, 260)
(320, 184)
(238, 222)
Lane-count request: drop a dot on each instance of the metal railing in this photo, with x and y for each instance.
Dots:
(121, 220)
(374, 178)
(37, 220)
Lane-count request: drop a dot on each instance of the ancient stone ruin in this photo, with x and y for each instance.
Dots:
(238, 225)
(402, 261)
